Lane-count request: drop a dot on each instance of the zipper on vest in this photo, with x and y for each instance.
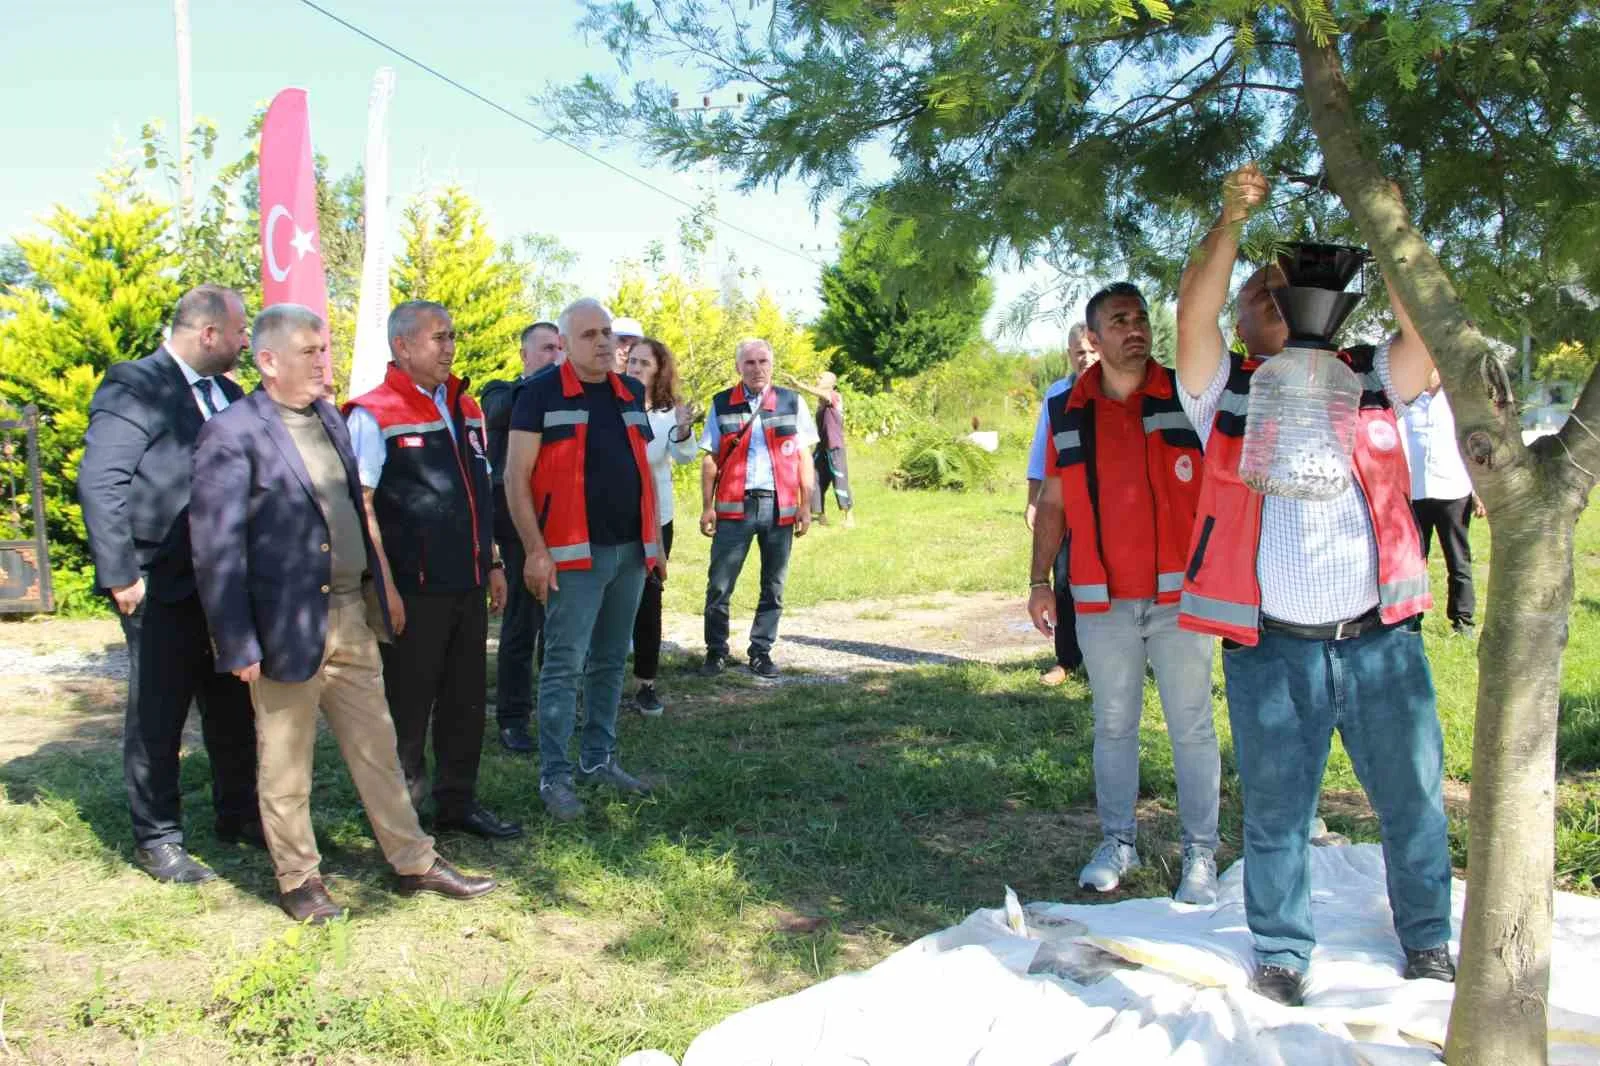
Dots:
(466, 481)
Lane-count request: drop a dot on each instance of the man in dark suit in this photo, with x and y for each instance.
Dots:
(134, 488)
(282, 556)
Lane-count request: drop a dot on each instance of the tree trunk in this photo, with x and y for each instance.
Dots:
(1534, 497)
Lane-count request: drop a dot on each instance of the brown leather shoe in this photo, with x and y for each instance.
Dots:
(445, 880)
(310, 903)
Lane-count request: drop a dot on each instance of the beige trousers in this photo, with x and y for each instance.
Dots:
(349, 690)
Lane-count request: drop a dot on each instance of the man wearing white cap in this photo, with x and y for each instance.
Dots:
(626, 332)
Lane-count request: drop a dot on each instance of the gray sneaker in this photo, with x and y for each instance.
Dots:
(1198, 885)
(560, 800)
(610, 773)
(1106, 866)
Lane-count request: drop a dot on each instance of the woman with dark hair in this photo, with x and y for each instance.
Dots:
(672, 440)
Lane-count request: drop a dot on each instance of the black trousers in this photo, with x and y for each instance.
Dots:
(832, 469)
(1068, 654)
(169, 665)
(435, 672)
(521, 625)
(647, 623)
(1450, 518)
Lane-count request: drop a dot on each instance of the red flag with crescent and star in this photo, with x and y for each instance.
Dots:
(291, 241)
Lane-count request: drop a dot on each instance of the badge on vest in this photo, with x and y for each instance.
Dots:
(1382, 436)
(788, 447)
(409, 442)
(1183, 469)
(477, 445)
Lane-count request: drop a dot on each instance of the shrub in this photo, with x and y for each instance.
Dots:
(932, 459)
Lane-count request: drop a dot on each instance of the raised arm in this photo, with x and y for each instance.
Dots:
(1203, 289)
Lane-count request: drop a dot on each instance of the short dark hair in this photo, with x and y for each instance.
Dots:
(522, 341)
(202, 306)
(1122, 288)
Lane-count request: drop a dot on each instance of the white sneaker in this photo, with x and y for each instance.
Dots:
(1106, 866)
(1198, 885)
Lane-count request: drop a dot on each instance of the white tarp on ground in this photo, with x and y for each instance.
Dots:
(1147, 981)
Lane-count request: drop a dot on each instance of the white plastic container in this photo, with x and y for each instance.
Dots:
(1301, 426)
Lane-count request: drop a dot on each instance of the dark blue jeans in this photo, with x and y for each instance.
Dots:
(1285, 698)
(587, 623)
(729, 547)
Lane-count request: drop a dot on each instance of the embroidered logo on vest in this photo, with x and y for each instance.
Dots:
(1382, 436)
(410, 442)
(1183, 469)
(788, 447)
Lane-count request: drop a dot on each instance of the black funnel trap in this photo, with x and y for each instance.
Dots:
(1313, 303)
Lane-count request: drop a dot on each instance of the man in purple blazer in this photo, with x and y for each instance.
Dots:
(287, 571)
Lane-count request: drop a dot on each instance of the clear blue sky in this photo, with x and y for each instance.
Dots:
(78, 79)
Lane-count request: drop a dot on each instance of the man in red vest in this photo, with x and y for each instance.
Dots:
(581, 493)
(755, 484)
(1125, 472)
(424, 466)
(1318, 604)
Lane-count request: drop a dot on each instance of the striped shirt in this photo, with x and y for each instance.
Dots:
(1318, 559)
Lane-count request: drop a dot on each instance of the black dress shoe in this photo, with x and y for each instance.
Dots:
(242, 833)
(516, 738)
(445, 880)
(310, 903)
(1431, 963)
(480, 822)
(1281, 985)
(172, 864)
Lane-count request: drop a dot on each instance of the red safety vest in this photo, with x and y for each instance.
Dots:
(557, 479)
(433, 503)
(780, 409)
(1172, 460)
(1221, 592)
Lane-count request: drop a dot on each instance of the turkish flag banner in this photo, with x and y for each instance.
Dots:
(291, 241)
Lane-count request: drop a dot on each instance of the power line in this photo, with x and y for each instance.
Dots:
(506, 111)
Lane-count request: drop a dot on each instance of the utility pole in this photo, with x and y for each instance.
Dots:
(180, 11)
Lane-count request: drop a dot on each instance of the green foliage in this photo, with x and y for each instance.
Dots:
(97, 289)
(450, 258)
(891, 312)
(932, 459)
(271, 1001)
(702, 327)
(1568, 361)
(1094, 136)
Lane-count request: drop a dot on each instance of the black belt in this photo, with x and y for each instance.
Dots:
(760, 492)
(1346, 630)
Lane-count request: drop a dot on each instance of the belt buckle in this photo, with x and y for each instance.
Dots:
(1338, 629)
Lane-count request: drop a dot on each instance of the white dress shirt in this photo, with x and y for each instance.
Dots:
(662, 453)
(218, 399)
(758, 468)
(1429, 436)
(1318, 559)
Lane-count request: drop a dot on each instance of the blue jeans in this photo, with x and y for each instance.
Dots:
(590, 617)
(1285, 698)
(729, 547)
(1116, 644)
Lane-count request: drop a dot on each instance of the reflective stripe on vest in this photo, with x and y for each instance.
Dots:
(570, 552)
(1221, 612)
(730, 423)
(778, 421)
(1404, 589)
(652, 550)
(1066, 439)
(787, 512)
(1170, 582)
(635, 418)
(415, 428)
(566, 418)
(1235, 403)
(1166, 420)
(1091, 593)
(728, 507)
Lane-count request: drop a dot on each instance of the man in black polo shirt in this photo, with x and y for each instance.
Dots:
(580, 491)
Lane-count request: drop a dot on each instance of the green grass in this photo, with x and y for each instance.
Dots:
(806, 831)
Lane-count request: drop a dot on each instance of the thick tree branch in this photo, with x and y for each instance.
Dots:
(1484, 407)
(1581, 434)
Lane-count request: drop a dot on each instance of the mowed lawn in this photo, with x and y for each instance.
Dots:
(807, 830)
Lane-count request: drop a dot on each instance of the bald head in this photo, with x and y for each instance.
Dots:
(1257, 320)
